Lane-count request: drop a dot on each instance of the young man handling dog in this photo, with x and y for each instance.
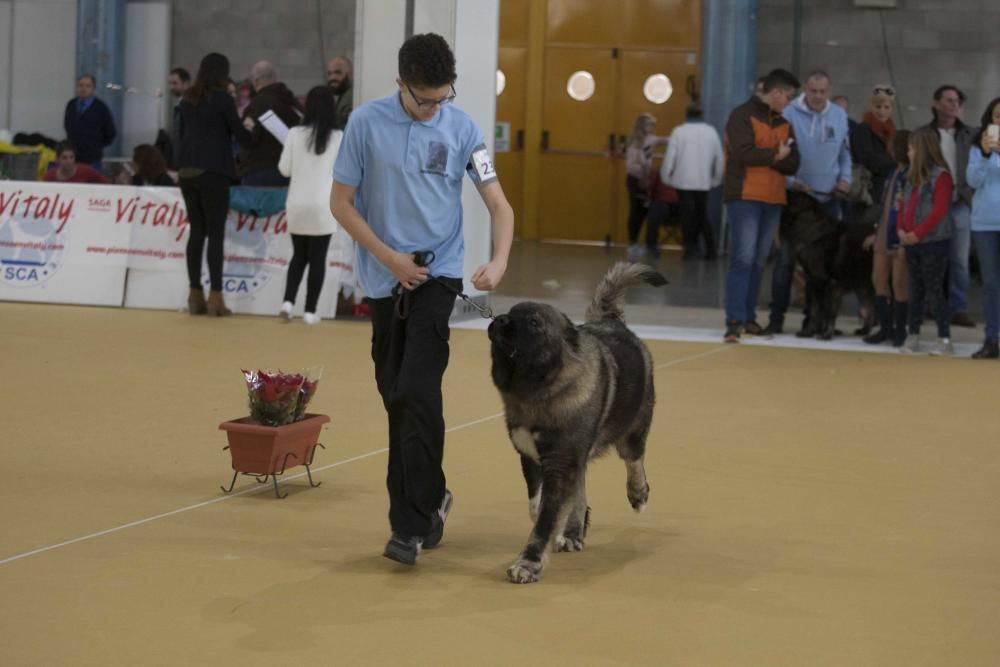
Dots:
(761, 151)
(397, 191)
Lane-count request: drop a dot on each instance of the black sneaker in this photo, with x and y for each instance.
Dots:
(752, 329)
(403, 550)
(732, 334)
(774, 327)
(437, 521)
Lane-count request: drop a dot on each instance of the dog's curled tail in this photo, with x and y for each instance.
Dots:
(608, 298)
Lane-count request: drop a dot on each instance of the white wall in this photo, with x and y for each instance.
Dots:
(147, 62)
(378, 34)
(39, 81)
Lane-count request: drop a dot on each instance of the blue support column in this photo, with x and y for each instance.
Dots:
(728, 67)
(100, 50)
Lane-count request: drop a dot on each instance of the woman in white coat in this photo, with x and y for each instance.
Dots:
(308, 157)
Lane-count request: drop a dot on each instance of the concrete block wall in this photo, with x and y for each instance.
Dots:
(930, 42)
(286, 33)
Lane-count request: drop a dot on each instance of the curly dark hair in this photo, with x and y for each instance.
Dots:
(426, 61)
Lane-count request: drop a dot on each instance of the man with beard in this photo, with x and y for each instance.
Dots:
(340, 78)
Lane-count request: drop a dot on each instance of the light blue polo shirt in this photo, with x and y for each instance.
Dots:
(409, 179)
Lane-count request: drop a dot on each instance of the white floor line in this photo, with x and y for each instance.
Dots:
(262, 488)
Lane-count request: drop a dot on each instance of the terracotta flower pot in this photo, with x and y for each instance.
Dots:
(271, 450)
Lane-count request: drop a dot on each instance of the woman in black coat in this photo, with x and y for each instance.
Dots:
(208, 125)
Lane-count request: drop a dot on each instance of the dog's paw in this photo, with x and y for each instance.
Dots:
(524, 571)
(566, 543)
(638, 497)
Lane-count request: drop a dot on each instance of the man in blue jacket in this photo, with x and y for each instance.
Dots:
(88, 123)
(824, 173)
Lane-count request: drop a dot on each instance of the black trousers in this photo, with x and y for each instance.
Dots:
(307, 251)
(694, 214)
(637, 203)
(410, 358)
(927, 264)
(207, 200)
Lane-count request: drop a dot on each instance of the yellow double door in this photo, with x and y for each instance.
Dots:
(604, 63)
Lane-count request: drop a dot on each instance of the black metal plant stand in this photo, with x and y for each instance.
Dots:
(262, 479)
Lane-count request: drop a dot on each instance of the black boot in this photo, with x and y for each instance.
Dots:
(901, 311)
(989, 350)
(884, 319)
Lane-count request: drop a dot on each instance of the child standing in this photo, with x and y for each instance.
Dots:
(925, 229)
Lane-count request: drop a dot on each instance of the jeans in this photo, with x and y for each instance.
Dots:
(752, 226)
(988, 252)
(927, 264)
(784, 270)
(411, 355)
(958, 271)
(307, 251)
(206, 198)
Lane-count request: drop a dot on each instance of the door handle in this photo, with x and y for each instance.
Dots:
(545, 140)
(519, 141)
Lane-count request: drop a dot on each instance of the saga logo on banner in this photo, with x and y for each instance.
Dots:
(251, 258)
(31, 241)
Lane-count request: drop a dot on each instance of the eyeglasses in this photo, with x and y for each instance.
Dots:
(885, 91)
(422, 103)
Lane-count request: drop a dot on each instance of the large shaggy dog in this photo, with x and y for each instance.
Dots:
(833, 260)
(570, 394)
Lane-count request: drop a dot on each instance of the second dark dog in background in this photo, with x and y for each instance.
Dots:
(835, 263)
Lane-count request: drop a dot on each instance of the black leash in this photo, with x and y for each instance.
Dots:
(401, 296)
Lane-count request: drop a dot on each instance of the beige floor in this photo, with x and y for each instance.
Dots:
(808, 508)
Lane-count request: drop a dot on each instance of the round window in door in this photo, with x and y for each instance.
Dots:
(658, 88)
(581, 86)
(501, 82)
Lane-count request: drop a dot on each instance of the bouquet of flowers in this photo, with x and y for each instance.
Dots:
(278, 398)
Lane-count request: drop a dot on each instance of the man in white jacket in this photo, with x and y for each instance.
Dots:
(694, 165)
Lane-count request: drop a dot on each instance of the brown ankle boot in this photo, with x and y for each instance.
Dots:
(216, 306)
(196, 302)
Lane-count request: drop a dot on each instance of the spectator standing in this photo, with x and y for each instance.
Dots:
(340, 78)
(760, 153)
(983, 174)
(308, 158)
(178, 81)
(68, 170)
(259, 159)
(638, 164)
(925, 229)
(208, 125)
(88, 122)
(694, 165)
(889, 261)
(957, 140)
(824, 174)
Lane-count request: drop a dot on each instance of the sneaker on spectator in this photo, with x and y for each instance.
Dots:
(942, 348)
(286, 311)
(732, 334)
(437, 521)
(753, 329)
(403, 550)
(774, 327)
(911, 345)
(311, 318)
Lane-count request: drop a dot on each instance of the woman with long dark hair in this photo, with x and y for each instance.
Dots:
(983, 174)
(150, 167)
(308, 156)
(208, 124)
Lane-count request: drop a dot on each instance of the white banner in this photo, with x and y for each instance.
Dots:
(46, 233)
(72, 243)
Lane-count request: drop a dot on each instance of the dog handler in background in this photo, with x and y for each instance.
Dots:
(397, 191)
